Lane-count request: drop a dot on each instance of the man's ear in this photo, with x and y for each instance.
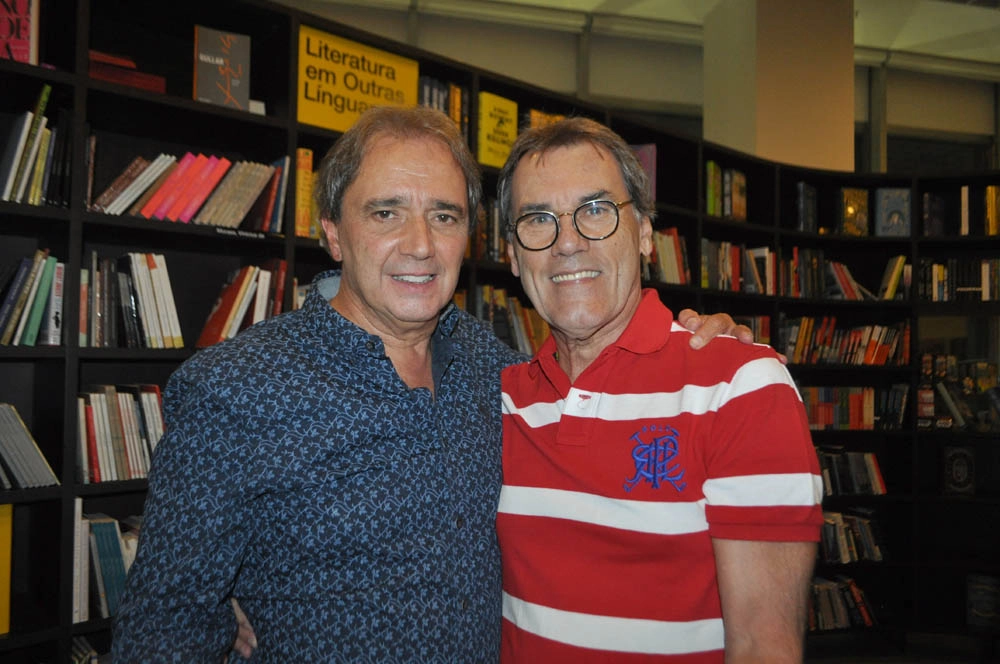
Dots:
(514, 268)
(330, 230)
(646, 237)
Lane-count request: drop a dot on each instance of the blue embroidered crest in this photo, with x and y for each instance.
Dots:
(654, 461)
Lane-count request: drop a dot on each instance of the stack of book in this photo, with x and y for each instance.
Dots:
(34, 163)
(128, 302)
(118, 429)
(31, 312)
(22, 464)
(123, 69)
(200, 189)
(252, 294)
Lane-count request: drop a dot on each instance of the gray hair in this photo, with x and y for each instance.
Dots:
(342, 162)
(568, 132)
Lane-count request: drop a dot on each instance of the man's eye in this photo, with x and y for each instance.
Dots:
(445, 218)
(384, 215)
(539, 219)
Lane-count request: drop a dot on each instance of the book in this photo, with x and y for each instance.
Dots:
(853, 220)
(6, 550)
(713, 189)
(734, 194)
(891, 277)
(17, 137)
(218, 321)
(982, 598)
(36, 170)
(646, 154)
(278, 215)
(958, 465)
(38, 122)
(19, 30)
(23, 297)
(935, 214)
(805, 207)
(175, 198)
(132, 171)
(221, 67)
(497, 128)
(140, 184)
(200, 191)
(14, 289)
(992, 214)
(33, 320)
(156, 201)
(303, 190)
(892, 212)
(107, 534)
(132, 78)
(20, 451)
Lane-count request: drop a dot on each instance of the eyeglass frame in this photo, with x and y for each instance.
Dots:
(576, 227)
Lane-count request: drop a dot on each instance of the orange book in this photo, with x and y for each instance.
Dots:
(176, 176)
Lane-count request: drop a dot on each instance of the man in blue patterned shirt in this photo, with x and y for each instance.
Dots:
(336, 469)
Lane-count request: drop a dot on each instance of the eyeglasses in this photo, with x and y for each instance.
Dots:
(594, 220)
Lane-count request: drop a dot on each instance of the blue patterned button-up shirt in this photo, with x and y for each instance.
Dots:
(351, 516)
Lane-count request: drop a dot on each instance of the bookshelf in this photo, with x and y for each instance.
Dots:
(934, 539)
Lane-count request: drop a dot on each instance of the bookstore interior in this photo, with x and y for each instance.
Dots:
(155, 199)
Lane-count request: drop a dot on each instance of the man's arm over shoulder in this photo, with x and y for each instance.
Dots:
(176, 605)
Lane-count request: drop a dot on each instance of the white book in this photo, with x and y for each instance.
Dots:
(154, 419)
(146, 300)
(105, 453)
(135, 188)
(263, 291)
(22, 184)
(50, 333)
(22, 138)
(244, 304)
(162, 283)
(81, 563)
(129, 432)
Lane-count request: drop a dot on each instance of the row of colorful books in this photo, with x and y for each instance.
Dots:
(820, 340)
(448, 97)
(128, 302)
(199, 189)
(725, 192)
(668, 262)
(958, 280)
(35, 162)
(22, 463)
(850, 472)
(851, 408)
(519, 326)
(951, 213)
(31, 312)
(838, 603)
(252, 294)
(849, 538)
(118, 427)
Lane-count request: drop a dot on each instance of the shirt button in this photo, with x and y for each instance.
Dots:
(465, 604)
(459, 521)
(370, 345)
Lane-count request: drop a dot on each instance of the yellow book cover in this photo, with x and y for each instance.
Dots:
(303, 190)
(6, 534)
(497, 128)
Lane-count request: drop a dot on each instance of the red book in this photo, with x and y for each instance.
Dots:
(214, 330)
(19, 30)
(92, 459)
(278, 272)
(206, 184)
(175, 178)
(174, 201)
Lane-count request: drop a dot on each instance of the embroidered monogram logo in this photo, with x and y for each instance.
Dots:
(655, 461)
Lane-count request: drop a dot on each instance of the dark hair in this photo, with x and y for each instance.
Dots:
(572, 131)
(342, 162)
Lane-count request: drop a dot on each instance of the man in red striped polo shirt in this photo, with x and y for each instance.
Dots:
(659, 503)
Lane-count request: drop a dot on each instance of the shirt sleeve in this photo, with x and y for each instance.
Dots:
(176, 602)
(763, 479)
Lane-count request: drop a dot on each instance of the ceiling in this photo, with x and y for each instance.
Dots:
(954, 37)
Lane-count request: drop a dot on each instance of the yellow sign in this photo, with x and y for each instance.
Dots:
(339, 79)
(497, 128)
